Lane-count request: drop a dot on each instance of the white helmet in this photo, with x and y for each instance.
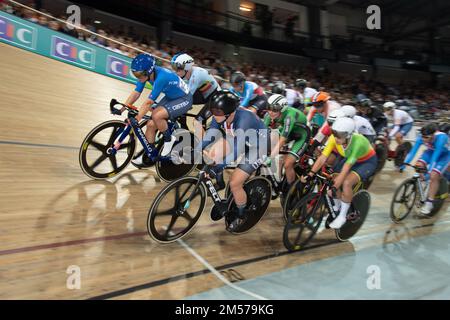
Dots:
(182, 61)
(343, 127)
(277, 102)
(349, 111)
(334, 115)
(389, 106)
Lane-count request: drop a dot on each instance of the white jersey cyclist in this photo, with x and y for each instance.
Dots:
(201, 80)
(401, 117)
(293, 97)
(363, 126)
(307, 95)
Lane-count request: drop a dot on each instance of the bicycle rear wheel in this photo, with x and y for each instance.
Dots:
(181, 161)
(94, 158)
(403, 201)
(303, 222)
(401, 152)
(356, 216)
(440, 197)
(259, 191)
(171, 216)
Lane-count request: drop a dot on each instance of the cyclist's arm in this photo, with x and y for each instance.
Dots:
(394, 130)
(212, 132)
(311, 114)
(267, 120)
(145, 107)
(414, 150)
(439, 147)
(133, 97)
(248, 90)
(339, 180)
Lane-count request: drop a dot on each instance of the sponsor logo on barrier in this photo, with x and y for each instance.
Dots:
(118, 67)
(18, 33)
(72, 52)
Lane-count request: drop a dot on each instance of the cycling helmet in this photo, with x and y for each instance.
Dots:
(279, 88)
(300, 83)
(349, 111)
(143, 65)
(367, 103)
(237, 78)
(429, 129)
(334, 115)
(223, 103)
(182, 61)
(343, 128)
(319, 99)
(277, 103)
(389, 106)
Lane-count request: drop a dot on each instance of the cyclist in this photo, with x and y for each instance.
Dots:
(202, 85)
(325, 131)
(291, 124)
(306, 92)
(169, 99)
(403, 122)
(251, 95)
(435, 158)
(373, 114)
(293, 97)
(229, 128)
(321, 105)
(356, 161)
(363, 125)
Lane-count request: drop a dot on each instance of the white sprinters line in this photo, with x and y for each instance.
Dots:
(217, 273)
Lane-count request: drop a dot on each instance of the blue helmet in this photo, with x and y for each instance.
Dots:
(143, 64)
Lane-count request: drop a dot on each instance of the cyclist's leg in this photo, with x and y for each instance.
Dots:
(440, 168)
(150, 133)
(170, 110)
(237, 181)
(290, 160)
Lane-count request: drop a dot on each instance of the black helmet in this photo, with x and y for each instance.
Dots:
(300, 83)
(365, 103)
(223, 103)
(279, 88)
(237, 77)
(429, 129)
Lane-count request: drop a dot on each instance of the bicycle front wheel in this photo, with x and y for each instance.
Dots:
(303, 221)
(172, 215)
(403, 200)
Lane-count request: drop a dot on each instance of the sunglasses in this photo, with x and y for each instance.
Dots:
(339, 135)
(318, 104)
(139, 74)
(426, 137)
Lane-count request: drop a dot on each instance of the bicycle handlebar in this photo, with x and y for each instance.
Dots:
(114, 102)
(417, 168)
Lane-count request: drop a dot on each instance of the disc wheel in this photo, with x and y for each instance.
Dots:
(95, 157)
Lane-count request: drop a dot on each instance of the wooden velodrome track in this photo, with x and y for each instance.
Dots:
(52, 216)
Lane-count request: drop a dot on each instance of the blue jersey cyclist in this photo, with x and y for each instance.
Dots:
(228, 133)
(169, 99)
(251, 95)
(435, 158)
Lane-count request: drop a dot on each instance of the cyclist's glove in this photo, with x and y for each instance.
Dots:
(115, 111)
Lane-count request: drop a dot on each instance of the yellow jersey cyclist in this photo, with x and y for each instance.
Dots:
(251, 95)
(356, 161)
(228, 133)
(291, 125)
